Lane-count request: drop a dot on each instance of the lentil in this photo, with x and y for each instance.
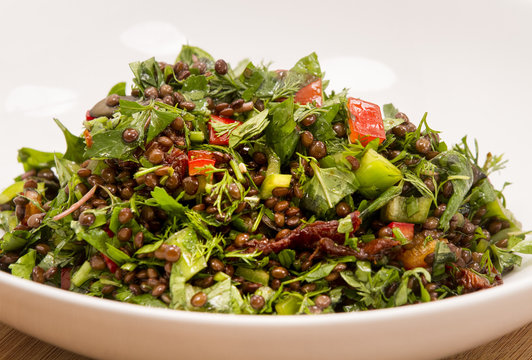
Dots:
(220, 67)
(199, 299)
(130, 135)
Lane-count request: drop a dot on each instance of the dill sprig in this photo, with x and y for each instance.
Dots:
(286, 88)
(221, 128)
(420, 185)
(248, 258)
(492, 163)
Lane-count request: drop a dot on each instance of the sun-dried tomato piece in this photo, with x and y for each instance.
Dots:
(178, 159)
(305, 236)
(474, 282)
(377, 248)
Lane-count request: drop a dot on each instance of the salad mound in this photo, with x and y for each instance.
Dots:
(255, 191)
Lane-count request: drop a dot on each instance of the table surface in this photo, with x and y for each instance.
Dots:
(16, 345)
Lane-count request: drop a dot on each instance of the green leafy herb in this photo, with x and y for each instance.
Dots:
(280, 133)
(221, 128)
(159, 120)
(110, 144)
(308, 65)
(456, 167)
(492, 163)
(442, 256)
(264, 166)
(370, 289)
(383, 199)
(404, 294)
(189, 53)
(35, 159)
(287, 257)
(147, 73)
(520, 244)
(252, 127)
(11, 191)
(389, 111)
(504, 259)
(75, 144)
(118, 89)
(327, 188)
(24, 265)
(168, 203)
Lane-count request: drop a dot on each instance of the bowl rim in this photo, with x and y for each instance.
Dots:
(514, 288)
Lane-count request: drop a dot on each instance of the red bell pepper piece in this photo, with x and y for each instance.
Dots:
(197, 160)
(65, 278)
(88, 116)
(407, 229)
(223, 139)
(111, 265)
(365, 121)
(312, 93)
(109, 232)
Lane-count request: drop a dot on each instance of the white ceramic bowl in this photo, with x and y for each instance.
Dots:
(466, 63)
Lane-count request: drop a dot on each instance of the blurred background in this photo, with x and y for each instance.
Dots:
(467, 63)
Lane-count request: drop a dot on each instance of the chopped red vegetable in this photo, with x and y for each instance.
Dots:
(111, 265)
(88, 116)
(65, 278)
(198, 160)
(223, 139)
(312, 93)
(305, 237)
(109, 232)
(365, 121)
(88, 138)
(407, 229)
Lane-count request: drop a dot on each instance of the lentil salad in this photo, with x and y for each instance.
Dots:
(254, 191)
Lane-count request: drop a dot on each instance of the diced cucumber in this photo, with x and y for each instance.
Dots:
(221, 276)
(274, 181)
(82, 275)
(256, 276)
(376, 174)
(396, 210)
(197, 136)
(288, 306)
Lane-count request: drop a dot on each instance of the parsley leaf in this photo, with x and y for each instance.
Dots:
(327, 188)
(252, 127)
(280, 133)
(147, 73)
